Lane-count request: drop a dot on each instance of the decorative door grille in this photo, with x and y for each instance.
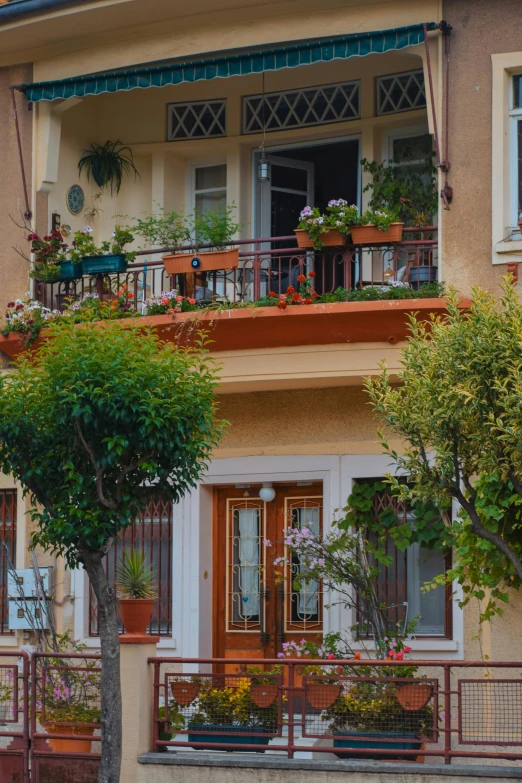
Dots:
(8, 550)
(304, 606)
(196, 120)
(151, 533)
(301, 108)
(245, 564)
(401, 92)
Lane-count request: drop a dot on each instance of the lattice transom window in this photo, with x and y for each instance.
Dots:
(401, 92)
(301, 108)
(196, 120)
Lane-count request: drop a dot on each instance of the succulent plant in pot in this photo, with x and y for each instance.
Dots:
(135, 583)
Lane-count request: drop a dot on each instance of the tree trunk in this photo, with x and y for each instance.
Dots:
(111, 730)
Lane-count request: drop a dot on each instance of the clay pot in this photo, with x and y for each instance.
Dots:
(203, 261)
(70, 745)
(184, 692)
(263, 695)
(136, 614)
(331, 238)
(322, 695)
(414, 696)
(371, 235)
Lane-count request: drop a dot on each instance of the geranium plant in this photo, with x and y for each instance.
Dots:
(169, 303)
(27, 317)
(49, 252)
(306, 295)
(380, 218)
(312, 221)
(83, 244)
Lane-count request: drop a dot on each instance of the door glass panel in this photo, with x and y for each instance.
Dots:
(423, 566)
(244, 552)
(304, 605)
(289, 178)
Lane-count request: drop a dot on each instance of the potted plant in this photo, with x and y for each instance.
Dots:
(135, 583)
(374, 227)
(264, 688)
(51, 264)
(330, 230)
(322, 688)
(107, 163)
(214, 229)
(229, 715)
(185, 691)
(108, 257)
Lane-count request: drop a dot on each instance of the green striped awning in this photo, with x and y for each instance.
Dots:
(235, 63)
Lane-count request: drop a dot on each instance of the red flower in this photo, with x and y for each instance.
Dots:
(33, 237)
(407, 649)
(314, 294)
(47, 238)
(282, 304)
(19, 307)
(357, 656)
(10, 304)
(56, 234)
(301, 278)
(272, 293)
(311, 274)
(308, 300)
(296, 298)
(290, 290)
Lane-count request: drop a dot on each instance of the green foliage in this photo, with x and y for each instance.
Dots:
(215, 227)
(409, 190)
(83, 244)
(380, 218)
(49, 252)
(166, 229)
(101, 420)
(458, 411)
(107, 163)
(134, 577)
(233, 705)
(372, 293)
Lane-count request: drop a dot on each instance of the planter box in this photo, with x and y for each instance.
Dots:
(331, 238)
(228, 735)
(70, 271)
(385, 740)
(206, 261)
(104, 265)
(371, 235)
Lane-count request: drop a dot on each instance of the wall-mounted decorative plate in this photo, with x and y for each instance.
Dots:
(75, 199)
(66, 230)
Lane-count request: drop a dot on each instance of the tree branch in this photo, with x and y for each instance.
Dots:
(98, 471)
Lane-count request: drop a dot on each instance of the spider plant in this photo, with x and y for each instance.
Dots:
(134, 577)
(107, 163)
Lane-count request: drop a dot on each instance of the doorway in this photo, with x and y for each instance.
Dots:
(255, 611)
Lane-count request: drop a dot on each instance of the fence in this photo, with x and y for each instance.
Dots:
(267, 264)
(14, 723)
(446, 711)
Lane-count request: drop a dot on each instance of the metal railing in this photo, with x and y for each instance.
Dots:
(266, 264)
(14, 715)
(446, 711)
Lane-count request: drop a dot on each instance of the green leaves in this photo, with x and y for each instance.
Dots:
(107, 163)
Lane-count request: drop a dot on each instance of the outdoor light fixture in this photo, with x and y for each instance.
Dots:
(263, 167)
(267, 492)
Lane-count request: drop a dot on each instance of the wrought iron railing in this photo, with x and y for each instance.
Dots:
(267, 264)
(351, 708)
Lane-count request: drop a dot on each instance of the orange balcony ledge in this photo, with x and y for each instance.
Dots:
(269, 327)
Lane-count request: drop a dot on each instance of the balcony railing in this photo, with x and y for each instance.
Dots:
(351, 708)
(267, 264)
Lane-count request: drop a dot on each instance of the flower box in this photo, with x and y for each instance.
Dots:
(70, 271)
(384, 740)
(226, 734)
(104, 265)
(330, 238)
(205, 261)
(371, 235)
(322, 695)
(80, 745)
(413, 696)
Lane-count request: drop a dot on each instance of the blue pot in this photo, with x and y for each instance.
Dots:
(70, 271)
(227, 735)
(104, 265)
(422, 274)
(397, 740)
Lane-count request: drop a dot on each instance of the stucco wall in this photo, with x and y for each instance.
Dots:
(480, 28)
(14, 279)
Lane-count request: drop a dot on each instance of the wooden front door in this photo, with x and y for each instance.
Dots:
(255, 612)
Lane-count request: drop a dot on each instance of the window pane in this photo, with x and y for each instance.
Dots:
(292, 179)
(517, 92)
(211, 202)
(412, 148)
(429, 607)
(211, 177)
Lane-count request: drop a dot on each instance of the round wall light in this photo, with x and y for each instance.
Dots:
(267, 492)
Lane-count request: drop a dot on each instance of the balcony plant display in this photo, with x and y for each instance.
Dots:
(374, 227)
(185, 691)
(169, 303)
(108, 258)
(51, 264)
(27, 317)
(135, 584)
(264, 689)
(229, 715)
(316, 230)
(107, 163)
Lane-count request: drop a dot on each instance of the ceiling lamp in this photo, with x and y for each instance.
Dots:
(267, 492)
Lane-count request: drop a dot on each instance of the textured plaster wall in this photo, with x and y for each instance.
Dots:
(480, 29)
(14, 277)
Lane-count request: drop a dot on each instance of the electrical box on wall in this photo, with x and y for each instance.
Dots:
(28, 614)
(25, 610)
(25, 584)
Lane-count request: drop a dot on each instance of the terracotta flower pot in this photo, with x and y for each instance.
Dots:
(136, 614)
(371, 235)
(263, 695)
(414, 696)
(184, 692)
(331, 238)
(322, 695)
(204, 261)
(70, 745)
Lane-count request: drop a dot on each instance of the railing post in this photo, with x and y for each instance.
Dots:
(291, 686)
(155, 706)
(447, 714)
(26, 702)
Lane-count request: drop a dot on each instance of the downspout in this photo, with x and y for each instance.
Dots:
(444, 165)
(27, 214)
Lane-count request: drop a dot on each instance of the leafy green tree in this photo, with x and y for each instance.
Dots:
(458, 411)
(101, 420)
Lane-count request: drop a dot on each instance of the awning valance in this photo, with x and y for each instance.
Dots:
(231, 64)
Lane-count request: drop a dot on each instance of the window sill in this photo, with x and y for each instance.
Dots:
(508, 246)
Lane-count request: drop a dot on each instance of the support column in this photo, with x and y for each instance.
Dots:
(137, 700)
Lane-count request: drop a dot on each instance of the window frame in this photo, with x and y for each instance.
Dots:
(204, 103)
(194, 192)
(378, 80)
(515, 116)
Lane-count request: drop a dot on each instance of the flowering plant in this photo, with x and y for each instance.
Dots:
(83, 244)
(27, 317)
(91, 308)
(341, 215)
(306, 294)
(169, 302)
(312, 221)
(49, 252)
(233, 705)
(380, 218)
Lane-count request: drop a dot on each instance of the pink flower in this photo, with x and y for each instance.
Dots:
(391, 653)
(399, 656)
(191, 301)
(407, 649)
(179, 299)
(331, 656)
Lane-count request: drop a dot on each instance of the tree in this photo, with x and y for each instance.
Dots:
(98, 422)
(458, 411)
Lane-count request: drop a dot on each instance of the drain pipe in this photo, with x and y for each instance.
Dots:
(27, 214)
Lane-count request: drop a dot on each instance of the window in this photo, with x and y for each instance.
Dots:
(400, 92)
(196, 120)
(516, 136)
(8, 550)
(210, 188)
(151, 533)
(400, 584)
(301, 108)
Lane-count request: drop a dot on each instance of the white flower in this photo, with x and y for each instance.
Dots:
(87, 230)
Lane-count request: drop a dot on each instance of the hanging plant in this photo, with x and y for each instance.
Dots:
(107, 163)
